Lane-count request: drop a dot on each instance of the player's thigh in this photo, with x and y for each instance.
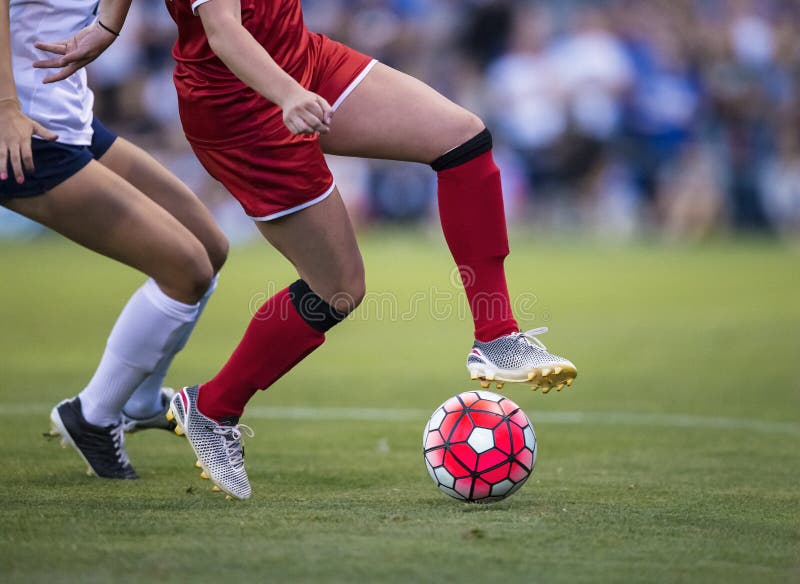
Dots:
(103, 212)
(394, 116)
(321, 244)
(145, 173)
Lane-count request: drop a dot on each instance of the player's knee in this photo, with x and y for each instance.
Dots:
(200, 278)
(350, 292)
(465, 127)
(217, 250)
(196, 272)
(358, 290)
(472, 125)
(471, 148)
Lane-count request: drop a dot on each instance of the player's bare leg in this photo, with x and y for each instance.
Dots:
(326, 256)
(147, 406)
(393, 116)
(106, 214)
(321, 244)
(146, 174)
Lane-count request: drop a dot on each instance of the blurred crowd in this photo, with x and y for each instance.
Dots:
(625, 117)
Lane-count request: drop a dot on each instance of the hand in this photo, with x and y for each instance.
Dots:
(305, 112)
(16, 130)
(77, 52)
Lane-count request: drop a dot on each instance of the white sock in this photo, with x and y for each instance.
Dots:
(149, 326)
(146, 399)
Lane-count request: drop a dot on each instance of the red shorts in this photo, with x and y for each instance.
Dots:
(281, 173)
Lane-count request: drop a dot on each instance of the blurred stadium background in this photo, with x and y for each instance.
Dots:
(621, 119)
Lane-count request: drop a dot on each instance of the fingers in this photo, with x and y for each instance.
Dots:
(59, 48)
(69, 59)
(54, 63)
(299, 126)
(20, 156)
(27, 157)
(16, 164)
(3, 161)
(62, 74)
(315, 109)
(323, 110)
(44, 133)
(304, 122)
(311, 114)
(327, 110)
(314, 121)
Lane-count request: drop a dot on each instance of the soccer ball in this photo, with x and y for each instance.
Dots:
(479, 447)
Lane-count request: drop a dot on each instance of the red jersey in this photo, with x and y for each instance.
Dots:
(217, 109)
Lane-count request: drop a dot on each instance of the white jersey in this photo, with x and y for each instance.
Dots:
(64, 107)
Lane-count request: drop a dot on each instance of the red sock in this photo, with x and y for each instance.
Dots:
(474, 225)
(276, 340)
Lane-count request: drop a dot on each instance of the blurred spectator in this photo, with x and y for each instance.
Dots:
(780, 185)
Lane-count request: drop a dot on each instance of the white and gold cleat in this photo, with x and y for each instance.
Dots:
(218, 447)
(520, 358)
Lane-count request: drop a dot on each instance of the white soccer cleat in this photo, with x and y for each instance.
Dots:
(218, 446)
(520, 358)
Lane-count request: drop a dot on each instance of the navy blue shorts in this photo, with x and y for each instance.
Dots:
(55, 163)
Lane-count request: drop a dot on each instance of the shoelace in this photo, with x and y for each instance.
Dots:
(530, 336)
(128, 424)
(234, 443)
(118, 438)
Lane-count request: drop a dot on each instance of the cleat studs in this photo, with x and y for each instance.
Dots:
(546, 372)
(485, 384)
(178, 431)
(170, 416)
(569, 382)
(203, 475)
(500, 385)
(557, 370)
(228, 498)
(559, 387)
(534, 387)
(197, 464)
(531, 375)
(546, 390)
(473, 376)
(215, 489)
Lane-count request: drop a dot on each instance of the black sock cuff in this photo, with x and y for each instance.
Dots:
(319, 315)
(480, 144)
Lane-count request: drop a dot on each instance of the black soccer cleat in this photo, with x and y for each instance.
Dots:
(103, 448)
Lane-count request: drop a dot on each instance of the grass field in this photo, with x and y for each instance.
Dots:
(675, 457)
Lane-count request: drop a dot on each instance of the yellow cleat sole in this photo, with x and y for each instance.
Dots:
(544, 378)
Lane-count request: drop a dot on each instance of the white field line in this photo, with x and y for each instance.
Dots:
(416, 415)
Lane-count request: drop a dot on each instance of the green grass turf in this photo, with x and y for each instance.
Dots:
(675, 457)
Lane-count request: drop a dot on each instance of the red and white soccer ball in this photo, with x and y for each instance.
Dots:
(479, 447)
